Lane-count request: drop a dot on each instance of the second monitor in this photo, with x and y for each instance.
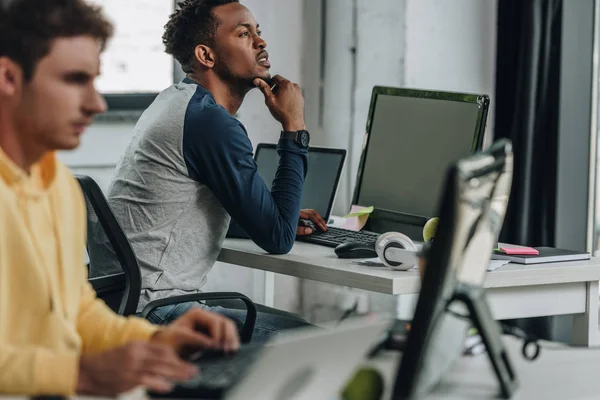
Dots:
(412, 138)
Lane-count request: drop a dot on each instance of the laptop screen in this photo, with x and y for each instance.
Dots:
(321, 182)
(413, 136)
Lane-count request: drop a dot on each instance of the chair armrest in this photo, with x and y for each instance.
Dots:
(108, 283)
(247, 329)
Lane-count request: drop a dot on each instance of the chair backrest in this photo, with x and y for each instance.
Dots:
(108, 249)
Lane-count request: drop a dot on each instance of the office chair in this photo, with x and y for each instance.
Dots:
(107, 246)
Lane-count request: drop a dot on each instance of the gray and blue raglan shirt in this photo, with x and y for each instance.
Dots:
(188, 169)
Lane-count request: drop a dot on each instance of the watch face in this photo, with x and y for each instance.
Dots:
(304, 138)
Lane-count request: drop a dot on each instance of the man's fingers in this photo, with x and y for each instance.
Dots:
(264, 87)
(316, 218)
(230, 336)
(221, 331)
(171, 372)
(208, 322)
(191, 341)
(164, 361)
(156, 383)
(215, 329)
(195, 341)
(319, 221)
(303, 231)
(278, 79)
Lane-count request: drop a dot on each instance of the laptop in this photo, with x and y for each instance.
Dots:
(306, 363)
(325, 167)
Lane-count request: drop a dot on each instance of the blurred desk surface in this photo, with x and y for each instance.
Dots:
(514, 290)
(558, 374)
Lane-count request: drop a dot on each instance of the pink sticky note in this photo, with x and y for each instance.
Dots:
(530, 251)
(357, 222)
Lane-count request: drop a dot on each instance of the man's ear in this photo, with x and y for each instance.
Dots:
(205, 56)
(11, 77)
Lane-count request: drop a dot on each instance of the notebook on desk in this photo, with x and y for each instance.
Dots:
(545, 255)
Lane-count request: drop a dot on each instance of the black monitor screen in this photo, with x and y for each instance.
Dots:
(324, 169)
(413, 137)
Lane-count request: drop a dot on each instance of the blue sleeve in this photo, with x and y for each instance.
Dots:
(235, 231)
(218, 153)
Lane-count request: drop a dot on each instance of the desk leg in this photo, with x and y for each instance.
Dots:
(269, 289)
(585, 326)
(405, 306)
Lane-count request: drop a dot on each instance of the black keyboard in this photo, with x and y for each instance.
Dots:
(336, 236)
(218, 373)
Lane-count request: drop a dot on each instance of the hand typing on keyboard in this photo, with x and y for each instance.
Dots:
(199, 330)
(310, 221)
(333, 237)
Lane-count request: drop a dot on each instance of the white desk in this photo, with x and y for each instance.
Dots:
(561, 374)
(514, 291)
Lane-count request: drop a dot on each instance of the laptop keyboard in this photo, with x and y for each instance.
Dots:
(219, 370)
(336, 236)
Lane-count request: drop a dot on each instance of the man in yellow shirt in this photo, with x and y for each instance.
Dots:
(55, 336)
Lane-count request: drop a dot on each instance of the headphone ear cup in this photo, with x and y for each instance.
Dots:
(386, 260)
(396, 250)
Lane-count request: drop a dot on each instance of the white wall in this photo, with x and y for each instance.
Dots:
(101, 148)
(451, 45)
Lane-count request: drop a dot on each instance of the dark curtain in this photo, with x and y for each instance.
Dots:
(526, 111)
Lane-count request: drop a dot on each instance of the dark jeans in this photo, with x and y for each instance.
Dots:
(269, 321)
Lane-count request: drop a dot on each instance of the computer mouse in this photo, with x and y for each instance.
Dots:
(355, 250)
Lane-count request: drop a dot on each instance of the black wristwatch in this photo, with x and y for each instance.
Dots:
(302, 138)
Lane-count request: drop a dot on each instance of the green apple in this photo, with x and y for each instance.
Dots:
(366, 384)
(429, 229)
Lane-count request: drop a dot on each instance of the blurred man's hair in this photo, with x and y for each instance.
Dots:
(28, 28)
(193, 23)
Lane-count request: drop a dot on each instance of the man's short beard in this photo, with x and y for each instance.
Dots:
(234, 81)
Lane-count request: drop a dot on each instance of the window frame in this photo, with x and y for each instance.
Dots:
(129, 106)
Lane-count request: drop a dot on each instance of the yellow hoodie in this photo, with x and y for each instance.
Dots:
(49, 314)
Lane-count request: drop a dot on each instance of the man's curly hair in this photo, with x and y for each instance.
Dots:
(28, 27)
(193, 23)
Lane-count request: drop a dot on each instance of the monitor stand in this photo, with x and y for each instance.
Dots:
(481, 316)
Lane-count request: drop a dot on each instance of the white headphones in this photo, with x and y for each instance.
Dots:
(396, 251)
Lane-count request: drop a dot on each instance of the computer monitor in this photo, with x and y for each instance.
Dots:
(472, 210)
(412, 137)
(321, 182)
